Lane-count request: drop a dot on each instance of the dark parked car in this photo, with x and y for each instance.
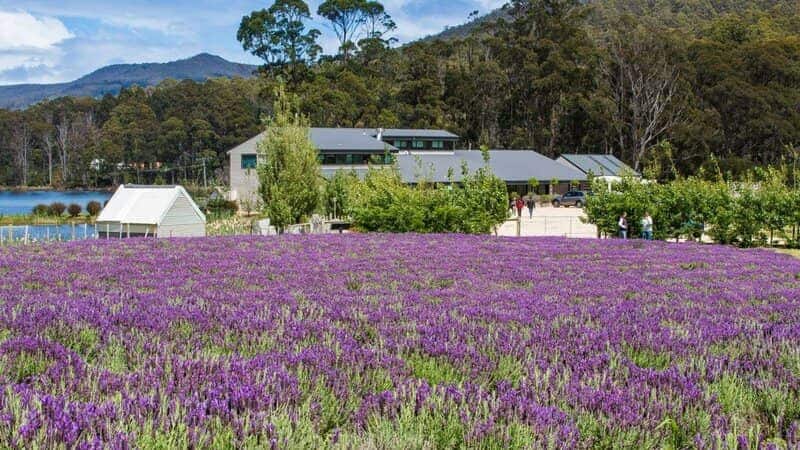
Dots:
(571, 198)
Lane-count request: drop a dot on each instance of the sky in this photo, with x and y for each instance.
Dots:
(45, 41)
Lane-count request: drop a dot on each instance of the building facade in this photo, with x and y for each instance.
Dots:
(432, 154)
(339, 148)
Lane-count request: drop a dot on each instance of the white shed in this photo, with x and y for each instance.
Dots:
(157, 211)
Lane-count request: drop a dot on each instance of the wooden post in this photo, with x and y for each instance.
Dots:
(129, 230)
(26, 234)
(519, 226)
(73, 231)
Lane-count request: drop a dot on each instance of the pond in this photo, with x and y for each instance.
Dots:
(22, 202)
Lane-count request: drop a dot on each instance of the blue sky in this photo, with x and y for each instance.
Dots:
(43, 41)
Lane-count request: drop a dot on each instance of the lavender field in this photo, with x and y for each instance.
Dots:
(378, 341)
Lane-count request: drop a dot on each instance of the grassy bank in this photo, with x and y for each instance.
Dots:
(30, 219)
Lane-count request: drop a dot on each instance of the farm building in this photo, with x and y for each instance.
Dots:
(157, 211)
(436, 150)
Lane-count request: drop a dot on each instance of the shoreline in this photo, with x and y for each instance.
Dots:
(21, 220)
(52, 189)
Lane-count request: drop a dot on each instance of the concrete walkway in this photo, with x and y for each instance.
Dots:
(549, 221)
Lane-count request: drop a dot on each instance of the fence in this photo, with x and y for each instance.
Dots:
(16, 234)
(561, 226)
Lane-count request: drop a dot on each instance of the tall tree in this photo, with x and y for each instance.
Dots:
(288, 170)
(645, 85)
(64, 134)
(346, 18)
(278, 35)
(22, 141)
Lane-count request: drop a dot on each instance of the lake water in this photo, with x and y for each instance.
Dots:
(18, 203)
(46, 233)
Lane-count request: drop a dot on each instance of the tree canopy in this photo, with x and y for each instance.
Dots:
(675, 85)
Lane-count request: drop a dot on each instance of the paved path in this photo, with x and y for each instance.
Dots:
(549, 221)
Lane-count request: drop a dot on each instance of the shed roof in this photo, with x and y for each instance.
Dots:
(353, 139)
(147, 205)
(597, 164)
(511, 166)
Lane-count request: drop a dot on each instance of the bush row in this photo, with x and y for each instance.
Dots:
(58, 209)
(762, 210)
(382, 202)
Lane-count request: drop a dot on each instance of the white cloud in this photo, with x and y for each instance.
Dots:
(21, 30)
(30, 47)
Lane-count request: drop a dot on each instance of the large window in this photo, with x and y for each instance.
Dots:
(249, 161)
(418, 144)
(401, 144)
(346, 159)
(438, 145)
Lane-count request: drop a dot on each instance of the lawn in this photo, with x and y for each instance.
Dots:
(405, 341)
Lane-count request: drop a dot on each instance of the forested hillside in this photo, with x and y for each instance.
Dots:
(664, 84)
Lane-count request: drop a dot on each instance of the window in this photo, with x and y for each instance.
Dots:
(418, 144)
(438, 145)
(401, 144)
(249, 161)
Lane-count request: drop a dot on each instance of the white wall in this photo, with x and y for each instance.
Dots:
(244, 182)
(182, 220)
(187, 230)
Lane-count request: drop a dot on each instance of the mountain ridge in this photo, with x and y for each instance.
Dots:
(113, 78)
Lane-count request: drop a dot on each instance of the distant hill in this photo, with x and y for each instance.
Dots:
(111, 79)
(464, 30)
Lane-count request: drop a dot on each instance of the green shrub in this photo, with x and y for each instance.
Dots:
(74, 210)
(93, 208)
(41, 210)
(219, 207)
(57, 209)
(757, 211)
(384, 203)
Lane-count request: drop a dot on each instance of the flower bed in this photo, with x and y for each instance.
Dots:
(397, 341)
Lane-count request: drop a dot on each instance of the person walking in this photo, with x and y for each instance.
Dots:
(520, 205)
(647, 227)
(531, 204)
(623, 226)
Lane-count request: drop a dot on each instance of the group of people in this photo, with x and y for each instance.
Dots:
(647, 226)
(519, 204)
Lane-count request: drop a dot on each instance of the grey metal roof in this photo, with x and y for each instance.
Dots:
(512, 166)
(423, 134)
(347, 139)
(330, 140)
(598, 165)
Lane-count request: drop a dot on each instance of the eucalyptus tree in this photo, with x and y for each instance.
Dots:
(279, 36)
(347, 18)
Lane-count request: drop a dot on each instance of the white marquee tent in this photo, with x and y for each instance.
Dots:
(157, 211)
